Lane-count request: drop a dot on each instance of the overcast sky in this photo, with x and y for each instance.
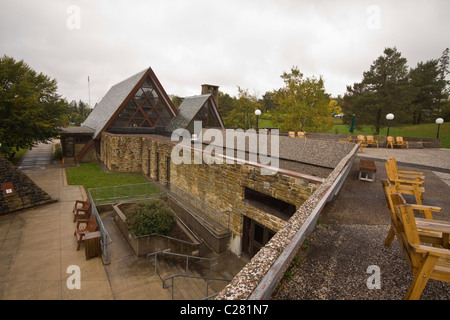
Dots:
(246, 43)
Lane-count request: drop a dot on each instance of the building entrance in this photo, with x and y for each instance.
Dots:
(255, 236)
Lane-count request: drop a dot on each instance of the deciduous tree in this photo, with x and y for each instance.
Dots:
(30, 108)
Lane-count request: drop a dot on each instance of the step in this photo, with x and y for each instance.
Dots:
(185, 288)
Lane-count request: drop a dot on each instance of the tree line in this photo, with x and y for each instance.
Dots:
(32, 111)
(414, 95)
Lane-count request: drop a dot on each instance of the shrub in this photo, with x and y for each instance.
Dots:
(150, 217)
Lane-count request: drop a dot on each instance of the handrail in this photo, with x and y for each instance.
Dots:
(207, 280)
(105, 238)
(205, 211)
(163, 253)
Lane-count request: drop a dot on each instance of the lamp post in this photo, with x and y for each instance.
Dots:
(258, 113)
(439, 121)
(389, 117)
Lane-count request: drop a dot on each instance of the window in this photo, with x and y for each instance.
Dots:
(145, 109)
(277, 207)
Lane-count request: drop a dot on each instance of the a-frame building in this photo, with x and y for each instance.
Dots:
(138, 104)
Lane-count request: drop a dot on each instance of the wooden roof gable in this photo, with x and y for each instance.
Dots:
(137, 101)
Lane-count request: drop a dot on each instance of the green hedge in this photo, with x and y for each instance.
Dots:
(150, 217)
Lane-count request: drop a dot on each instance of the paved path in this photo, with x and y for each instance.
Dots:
(38, 157)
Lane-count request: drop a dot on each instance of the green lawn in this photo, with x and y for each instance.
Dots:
(427, 130)
(91, 175)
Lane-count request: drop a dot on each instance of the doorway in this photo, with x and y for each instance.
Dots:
(254, 237)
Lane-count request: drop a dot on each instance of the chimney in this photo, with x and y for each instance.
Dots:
(214, 90)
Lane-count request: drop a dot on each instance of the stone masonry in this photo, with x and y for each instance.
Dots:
(219, 185)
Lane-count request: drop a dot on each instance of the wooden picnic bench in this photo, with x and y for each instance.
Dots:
(367, 170)
(431, 231)
(425, 262)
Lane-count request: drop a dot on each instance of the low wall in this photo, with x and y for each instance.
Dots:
(259, 277)
(144, 245)
(218, 242)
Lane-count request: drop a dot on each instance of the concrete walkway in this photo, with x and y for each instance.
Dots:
(38, 248)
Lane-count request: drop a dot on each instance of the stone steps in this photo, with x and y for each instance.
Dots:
(184, 288)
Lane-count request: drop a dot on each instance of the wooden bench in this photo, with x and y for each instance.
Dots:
(367, 170)
(405, 185)
(371, 141)
(85, 226)
(81, 209)
(425, 262)
(301, 134)
(431, 231)
(400, 142)
(390, 142)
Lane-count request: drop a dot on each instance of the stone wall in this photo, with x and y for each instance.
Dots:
(24, 192)
(220, 185)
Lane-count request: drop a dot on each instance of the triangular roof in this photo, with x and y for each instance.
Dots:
(18, 191)
(115, 100)
(190, 108)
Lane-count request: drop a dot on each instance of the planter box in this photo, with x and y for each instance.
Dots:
(143, 245)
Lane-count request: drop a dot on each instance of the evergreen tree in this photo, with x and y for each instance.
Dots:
(385, 88)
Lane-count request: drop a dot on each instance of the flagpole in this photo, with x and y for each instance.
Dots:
(89, 92)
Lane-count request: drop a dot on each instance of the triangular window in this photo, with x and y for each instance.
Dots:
(145, 109)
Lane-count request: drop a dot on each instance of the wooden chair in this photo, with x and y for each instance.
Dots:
(292, 134)
(390, 142)
(301, 135)
(400, 142)
(405, 174)
(361, 140)
(426, 235)
(85, 226)
(81, 209)
(370, 141)
(425, 262)
(406, 186)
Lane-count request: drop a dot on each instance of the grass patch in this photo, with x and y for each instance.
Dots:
(426, 130)
(91, 175)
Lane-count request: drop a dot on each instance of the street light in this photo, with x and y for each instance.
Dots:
(389, 117)
(258, 113)
(439, 121)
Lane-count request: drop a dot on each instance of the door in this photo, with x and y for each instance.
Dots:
(254, 237)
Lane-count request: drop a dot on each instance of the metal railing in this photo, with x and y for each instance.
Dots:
(105, 238)
(206, 279)
(124, 192)
(218, 220)
(164, 253)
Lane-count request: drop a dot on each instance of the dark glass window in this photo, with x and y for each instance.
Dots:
(269, 204)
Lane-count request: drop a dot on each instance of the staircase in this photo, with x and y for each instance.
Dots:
(186, 283)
